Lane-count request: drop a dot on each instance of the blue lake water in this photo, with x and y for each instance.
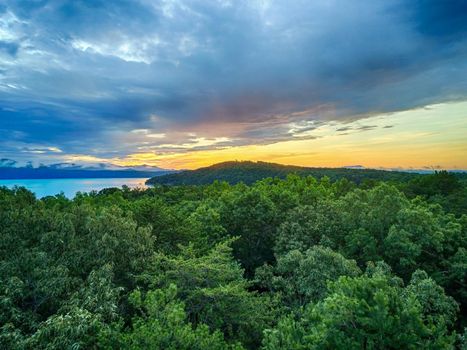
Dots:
(51, 187)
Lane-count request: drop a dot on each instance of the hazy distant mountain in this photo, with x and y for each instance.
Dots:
(250, 172)
(354, 167)
(7, 163)
(10, 170)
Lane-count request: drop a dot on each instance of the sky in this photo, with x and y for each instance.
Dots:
(183, 84)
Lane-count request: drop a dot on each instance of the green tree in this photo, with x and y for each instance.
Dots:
(372, 311)
(167, 225)
(252, 217)
(162, 324)
(214, 291)
(83, 317)
(300, 278)
(306, 226)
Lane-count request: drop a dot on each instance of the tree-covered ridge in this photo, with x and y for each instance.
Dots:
(294, 263)
(249, 172)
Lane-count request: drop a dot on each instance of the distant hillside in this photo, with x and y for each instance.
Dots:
(250, 172)
(54, 173)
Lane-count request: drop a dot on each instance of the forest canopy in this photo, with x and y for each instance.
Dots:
(298, 262)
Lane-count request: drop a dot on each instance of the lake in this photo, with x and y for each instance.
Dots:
(51, 187)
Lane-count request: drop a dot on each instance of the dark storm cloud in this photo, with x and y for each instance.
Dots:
(73, 73)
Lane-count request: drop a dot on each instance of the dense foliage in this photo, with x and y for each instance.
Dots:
(294, 263)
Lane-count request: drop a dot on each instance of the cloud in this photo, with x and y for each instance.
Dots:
(82, 74)
(344, 128)
(41, 150)
(357, 128)
(127, 51)
(8, 163)
(366, 127)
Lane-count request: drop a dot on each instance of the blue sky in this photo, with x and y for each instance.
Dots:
(106, 81)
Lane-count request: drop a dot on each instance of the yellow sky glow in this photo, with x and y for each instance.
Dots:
(433, 136)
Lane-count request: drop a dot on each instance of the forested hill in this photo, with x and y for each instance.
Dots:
(250, 172)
